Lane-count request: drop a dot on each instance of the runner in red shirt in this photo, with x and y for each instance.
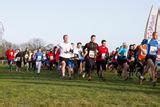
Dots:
(50, 56)
(56, 53)
(10, 54)
(101, 59)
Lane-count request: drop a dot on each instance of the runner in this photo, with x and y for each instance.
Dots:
(101, 60)
(39, 57)
(34, 60)
(50, 56)
(56, 53)
(25, 59)
(80, 59)
(65, 53)
(45, 61)
(90, 50)
(30, 59)
(122, 60)
(18, 60)
(131, 59)
(140, 62)
(152, 50)
(10, 54)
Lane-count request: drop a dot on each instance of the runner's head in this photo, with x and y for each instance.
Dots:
(155, 35)
(144, 41)
(124, 45)
(79, 45)
(93, 38)
(39, 50)
(17, 50)
(117, 49)
(30, 51)
(27, 49)
(72, 44)
(51, 50)
(131, 47)
(65, 38)
(55, 48)
(103, 42)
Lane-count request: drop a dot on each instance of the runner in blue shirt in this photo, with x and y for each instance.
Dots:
(152, 50)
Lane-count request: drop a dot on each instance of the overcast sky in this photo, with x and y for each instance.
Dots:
(116, 21)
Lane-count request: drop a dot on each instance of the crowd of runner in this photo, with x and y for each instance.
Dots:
(69, 59)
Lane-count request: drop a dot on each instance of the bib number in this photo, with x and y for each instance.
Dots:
(103, 56)
(51, 57)
(91, 54)
(11, 53)
(153, 50)
(18, 58)
(39, 58)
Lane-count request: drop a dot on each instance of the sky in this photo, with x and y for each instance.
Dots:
(116, 21)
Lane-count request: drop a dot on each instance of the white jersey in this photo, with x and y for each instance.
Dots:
(79, 51)
(65, 50)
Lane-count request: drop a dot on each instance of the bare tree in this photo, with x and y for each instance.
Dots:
(36, 43)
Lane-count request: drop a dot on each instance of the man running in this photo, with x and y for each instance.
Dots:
(65, 53)
(102, 59)
(50, 56)
(152, 51)
(10, 54)
(39, 57)
(90, 50)
(18, 59)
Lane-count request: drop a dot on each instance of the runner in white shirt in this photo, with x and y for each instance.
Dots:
(79, 52)
(65, 53)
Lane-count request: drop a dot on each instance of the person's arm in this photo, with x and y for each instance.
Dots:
(118, 52)
(107, 53)
(85, 50)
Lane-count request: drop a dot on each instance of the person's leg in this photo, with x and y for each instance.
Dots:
(98, 68)
(69, 67)
(63, 68)
(92, 64)
(18, 66)
(153, 71)
(87, 68)
(37, 65)
(10, 65)
(84, 68)
(125, 71)
(103, 70)
(27, 66)
(30, 65)
(146, 69)
(81, 67)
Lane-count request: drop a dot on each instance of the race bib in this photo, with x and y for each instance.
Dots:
(39, 58)
(153, 50)
(103, 56)
(18, 58)
(91, 54)
(26, 56)
(51, 57)
(11, 53)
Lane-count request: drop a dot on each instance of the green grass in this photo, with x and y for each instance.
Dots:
(23, 89)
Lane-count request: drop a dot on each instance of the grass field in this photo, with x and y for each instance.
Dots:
(24, 90)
